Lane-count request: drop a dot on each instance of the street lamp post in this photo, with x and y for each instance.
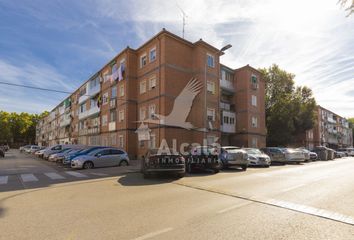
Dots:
(219, 53)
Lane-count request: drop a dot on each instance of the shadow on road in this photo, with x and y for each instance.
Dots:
(137, 179)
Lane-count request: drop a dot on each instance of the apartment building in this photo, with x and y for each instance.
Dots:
(144, 88)
(330, 130)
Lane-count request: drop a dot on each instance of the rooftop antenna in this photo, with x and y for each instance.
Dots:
(184, 16)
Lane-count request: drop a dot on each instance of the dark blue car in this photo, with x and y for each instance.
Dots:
(68, 158)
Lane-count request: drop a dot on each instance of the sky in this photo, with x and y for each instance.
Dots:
(60, 44)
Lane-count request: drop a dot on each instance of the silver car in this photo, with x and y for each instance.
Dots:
(257, 158)
(107, 157)
(233, 157)
(293, 155)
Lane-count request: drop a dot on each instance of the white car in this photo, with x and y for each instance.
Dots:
(293, 155)
(106, 157)
(257, 157)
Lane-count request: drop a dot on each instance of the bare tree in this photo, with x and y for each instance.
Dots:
(348, 7)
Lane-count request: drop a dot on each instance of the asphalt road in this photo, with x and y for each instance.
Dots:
(310, 201)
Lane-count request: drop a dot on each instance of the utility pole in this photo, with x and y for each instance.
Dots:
(184, 15)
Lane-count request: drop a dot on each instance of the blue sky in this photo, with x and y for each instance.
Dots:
(59, 44)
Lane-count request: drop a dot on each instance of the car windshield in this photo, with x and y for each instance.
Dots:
(253, 151)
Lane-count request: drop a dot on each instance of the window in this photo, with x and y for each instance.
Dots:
(104, 120)
(152, 108)
(152, 82)
(105, 98)
(254, 122)
(82, 108)
(106, 76)
(254, 79)
(121, 141)
(121, 90)
(143, 60)
(142, 113)
(211, 87)
(142, 87)
(210, 59)
(211, 114)
(114, 92)
(81, 125)
(95, 82)
(112, 116)
(121, 116)
(117, 152)
(254, 100)
(152, 54)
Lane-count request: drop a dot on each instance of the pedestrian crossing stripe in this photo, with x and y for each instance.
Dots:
(76, 174)
(54, 176)
(28, 177)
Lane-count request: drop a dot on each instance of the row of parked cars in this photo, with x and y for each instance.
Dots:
(80, 156)
(213, 158)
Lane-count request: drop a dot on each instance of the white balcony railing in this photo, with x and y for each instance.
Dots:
(90, 92)
(230, 125)
(65, 122)
(89, 112)
(227, 85)
(89, 131)
(112, 126)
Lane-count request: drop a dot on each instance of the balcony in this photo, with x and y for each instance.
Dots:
(229, 122)
(88, 113)
(90, 92)
(112, 126)
(112, 103)
(65, 122)
(227, 85)
(90, 131)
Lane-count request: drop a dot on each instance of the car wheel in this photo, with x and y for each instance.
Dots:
(123, 163)
(216, 170)
(180, 175)
(88, 165)
(244, 168)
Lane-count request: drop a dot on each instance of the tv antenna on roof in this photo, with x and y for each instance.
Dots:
(184, 16)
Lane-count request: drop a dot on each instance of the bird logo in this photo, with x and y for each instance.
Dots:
(181, 108)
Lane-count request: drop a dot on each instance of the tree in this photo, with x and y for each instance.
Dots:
(289, 109)
(348, 7)
(351, 124)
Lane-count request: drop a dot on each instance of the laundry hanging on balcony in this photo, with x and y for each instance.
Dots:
(121, 70)
(99, 100)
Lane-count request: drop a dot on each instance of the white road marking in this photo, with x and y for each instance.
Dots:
(76, 174)
(312, 211)
(99, 174)
(4, 179)
(153, 234)
(28, 177)
(54, 176)
(233, 207)
(292, 188)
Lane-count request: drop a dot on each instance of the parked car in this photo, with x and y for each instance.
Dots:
(293, 155)
(257, 157)
(53, 157)
(233, 157)
(32, 148)
(306, 153)
(57, 148)
(59, 157)
(84, 151)
(106, 157)
(276, 154)
(22, 149)
(203, 158)
(339, 154)
(156, 161)
(40, 153)
(347, 151)
(313, 156)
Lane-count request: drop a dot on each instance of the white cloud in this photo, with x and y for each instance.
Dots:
(312, 39)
